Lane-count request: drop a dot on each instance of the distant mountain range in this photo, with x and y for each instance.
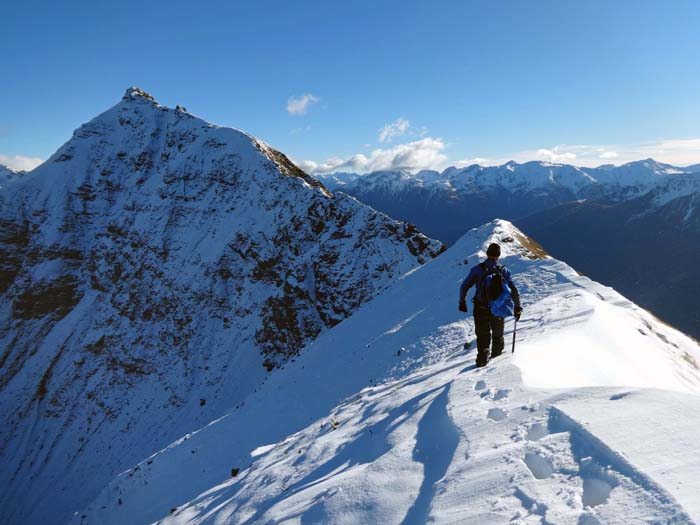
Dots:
(635, 227)
(153, 272)
(444, 203)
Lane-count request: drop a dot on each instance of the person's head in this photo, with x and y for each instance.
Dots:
(494, 251)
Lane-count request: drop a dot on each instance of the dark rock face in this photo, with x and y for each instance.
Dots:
(153, 261)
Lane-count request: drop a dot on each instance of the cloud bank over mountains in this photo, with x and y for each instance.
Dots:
(419, 154)
(20, 162)
(433, 153)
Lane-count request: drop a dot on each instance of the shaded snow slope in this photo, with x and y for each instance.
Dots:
(152, 272)
(384, 419)
(8, 176)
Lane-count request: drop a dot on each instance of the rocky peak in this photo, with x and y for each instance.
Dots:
(137, 94)
(155, 261)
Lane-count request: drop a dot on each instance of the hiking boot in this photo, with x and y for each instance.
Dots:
(482, 357)
(496, 353)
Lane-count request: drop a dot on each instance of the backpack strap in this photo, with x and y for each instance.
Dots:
(480, 284)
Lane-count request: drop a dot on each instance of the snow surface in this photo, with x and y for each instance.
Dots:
(8, 176)
(385, 419)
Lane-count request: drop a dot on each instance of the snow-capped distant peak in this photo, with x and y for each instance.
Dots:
(562, 180)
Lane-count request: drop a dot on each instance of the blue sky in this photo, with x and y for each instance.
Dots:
(450, 82)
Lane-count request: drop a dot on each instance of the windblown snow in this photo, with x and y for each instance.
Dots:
(385, 419)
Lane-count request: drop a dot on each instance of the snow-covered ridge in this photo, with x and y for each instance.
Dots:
(616, 182)
(384, 419)
(7, 176)
(154, 270)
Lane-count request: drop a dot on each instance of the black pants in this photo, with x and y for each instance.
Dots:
(489, 329)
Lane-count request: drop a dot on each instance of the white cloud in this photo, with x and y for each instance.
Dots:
(679, 152)
(20, 162)
(557, 155)
(463, 163)
(395, 129)
(299, 105)
(331, 165)
(421, 154)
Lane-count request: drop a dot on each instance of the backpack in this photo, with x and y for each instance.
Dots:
(498, 294)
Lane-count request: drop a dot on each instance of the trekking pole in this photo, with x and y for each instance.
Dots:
(515, 328)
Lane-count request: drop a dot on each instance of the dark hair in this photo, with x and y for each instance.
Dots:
(494, 250)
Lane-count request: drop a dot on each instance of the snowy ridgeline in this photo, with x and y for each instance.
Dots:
(384, 419)
(8, 176)
(613, 182)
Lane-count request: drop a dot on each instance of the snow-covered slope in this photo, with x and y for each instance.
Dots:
(384, 419)
(7, 176)
(153, 271)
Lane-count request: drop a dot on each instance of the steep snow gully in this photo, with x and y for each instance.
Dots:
(385, 419)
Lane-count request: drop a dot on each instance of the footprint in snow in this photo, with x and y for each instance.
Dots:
(495, 395)
(501, 394)
(595, 492)
(539, 466)
(588, 519)
(480, 385)
(497, 414)
(536, 432)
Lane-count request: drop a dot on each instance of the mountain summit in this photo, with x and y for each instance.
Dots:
(154, 270)
(385, 419)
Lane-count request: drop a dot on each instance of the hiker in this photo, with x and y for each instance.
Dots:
(489, 328)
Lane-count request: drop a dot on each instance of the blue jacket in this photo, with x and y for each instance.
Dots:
(476, 277)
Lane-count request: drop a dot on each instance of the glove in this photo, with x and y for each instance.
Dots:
(518, 310)
(462, 306)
